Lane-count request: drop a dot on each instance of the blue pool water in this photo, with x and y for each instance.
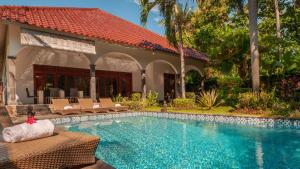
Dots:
(149, 142)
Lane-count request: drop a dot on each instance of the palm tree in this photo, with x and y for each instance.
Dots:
(175, 18)
(277, 14)
(254, 44)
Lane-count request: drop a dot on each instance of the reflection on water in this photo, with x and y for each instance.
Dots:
(259, 155)
(147, 142)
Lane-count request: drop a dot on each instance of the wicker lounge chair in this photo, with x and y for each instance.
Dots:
(58, 106)
(107, 103)
(63, 150)
(86, 105)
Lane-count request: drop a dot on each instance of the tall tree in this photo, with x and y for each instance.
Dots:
(175, 19)
(253, 9)
(277, 14)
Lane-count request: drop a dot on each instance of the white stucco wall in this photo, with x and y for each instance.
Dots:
(155, 77)
(109, 56)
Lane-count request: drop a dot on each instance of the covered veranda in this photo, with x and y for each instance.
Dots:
(41, 65)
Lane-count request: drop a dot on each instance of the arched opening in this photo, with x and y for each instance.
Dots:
(117, 73)
(161, 78)
(45, 69)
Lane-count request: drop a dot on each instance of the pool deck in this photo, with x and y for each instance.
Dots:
(23, 118)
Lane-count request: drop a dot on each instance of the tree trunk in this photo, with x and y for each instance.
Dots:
(278, 33)
(254, 44)
(182, 64)
(277, 13)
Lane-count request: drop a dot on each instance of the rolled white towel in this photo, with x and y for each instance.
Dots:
(25, 131)
(96, 106)
(68, 107)
(118, 105)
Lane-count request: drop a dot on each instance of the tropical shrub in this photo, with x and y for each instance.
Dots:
(248, 100)
(229, 81)
(266, 99)
(295, 105)
(180, 103)
(152, 98)
(118, 98)
(209, 98)
(190, 95)
(230, 95)
(136, 97)
(281, 108)
(135, 105)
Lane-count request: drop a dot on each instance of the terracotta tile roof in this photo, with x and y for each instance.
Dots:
(93, 23)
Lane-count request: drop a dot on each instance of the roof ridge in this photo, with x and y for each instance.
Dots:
(46, 7)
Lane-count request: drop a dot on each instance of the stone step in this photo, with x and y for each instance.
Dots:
(38, 108)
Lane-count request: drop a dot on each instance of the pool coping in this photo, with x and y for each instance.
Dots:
(264, 122)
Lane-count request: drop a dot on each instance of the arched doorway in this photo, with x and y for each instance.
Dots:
(117, 73)
(161, 78)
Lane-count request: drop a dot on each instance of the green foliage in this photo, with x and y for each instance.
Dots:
(135, 105)
(152, 98)
(136, 96)
(190, 95)
(221, 30)
(266, 99)
(279, 55)
(229, 81)
(209, 99)
(193, 81)
(180, 103)
(281, 108)
(248, 100)
(118, 98)
(230, 95)
(176, 16)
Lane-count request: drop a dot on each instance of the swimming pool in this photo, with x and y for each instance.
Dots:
(152, 142)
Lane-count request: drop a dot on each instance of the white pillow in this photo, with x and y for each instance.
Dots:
(117, 105)
(95, 106)
(68, 107)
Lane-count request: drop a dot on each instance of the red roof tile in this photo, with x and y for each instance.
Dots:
(91, 22)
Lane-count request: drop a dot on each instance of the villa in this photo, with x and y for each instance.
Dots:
(64, 70)
(84, 52)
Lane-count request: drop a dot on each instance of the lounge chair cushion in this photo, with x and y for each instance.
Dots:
(63, 150)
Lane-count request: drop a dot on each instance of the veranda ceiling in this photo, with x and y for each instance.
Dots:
(44, 39)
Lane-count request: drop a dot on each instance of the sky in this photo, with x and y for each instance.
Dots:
(126, 9)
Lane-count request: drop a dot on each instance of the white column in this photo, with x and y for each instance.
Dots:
(40, 97)
(11, 80)
(144, 88)
(177, 85)
(93, 81)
